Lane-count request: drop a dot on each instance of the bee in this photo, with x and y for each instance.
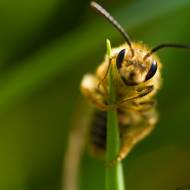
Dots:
(136, 82)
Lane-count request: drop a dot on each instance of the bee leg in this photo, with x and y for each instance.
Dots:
(139, 106)
(143, 106)
(136, 132)
(132, 134)
(90, 90)
(131, 139)
(150, 103)
(94, 94)
(140, 93)
(101, 82)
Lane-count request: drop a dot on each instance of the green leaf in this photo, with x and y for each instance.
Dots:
(114, 173)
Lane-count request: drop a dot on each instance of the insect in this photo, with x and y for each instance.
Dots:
(137, 80)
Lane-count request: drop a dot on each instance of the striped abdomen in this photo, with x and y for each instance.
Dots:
(98, 132)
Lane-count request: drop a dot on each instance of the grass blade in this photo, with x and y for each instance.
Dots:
(114, 173)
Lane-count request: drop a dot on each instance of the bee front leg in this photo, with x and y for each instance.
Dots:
(140, 93)
(95, 94)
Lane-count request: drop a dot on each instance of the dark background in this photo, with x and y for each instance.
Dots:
(46, 47)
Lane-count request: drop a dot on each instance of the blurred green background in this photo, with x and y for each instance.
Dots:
(46, 46)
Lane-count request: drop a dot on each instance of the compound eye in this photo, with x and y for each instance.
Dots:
(120, 58)
(152, 70)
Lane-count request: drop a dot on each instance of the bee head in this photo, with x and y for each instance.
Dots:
(135, 64)
(135, 69)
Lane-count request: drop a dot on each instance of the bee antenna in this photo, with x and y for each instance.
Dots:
(115, 23)
(168, 45)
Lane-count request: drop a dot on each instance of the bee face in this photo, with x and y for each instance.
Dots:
(135, 69)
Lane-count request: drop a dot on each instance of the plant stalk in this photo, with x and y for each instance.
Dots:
(114, 172)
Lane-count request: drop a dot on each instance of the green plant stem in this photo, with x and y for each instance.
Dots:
(114, 172)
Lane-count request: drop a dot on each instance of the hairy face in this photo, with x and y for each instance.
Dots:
(135, 69)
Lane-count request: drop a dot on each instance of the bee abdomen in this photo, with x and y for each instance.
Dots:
(98, 132)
